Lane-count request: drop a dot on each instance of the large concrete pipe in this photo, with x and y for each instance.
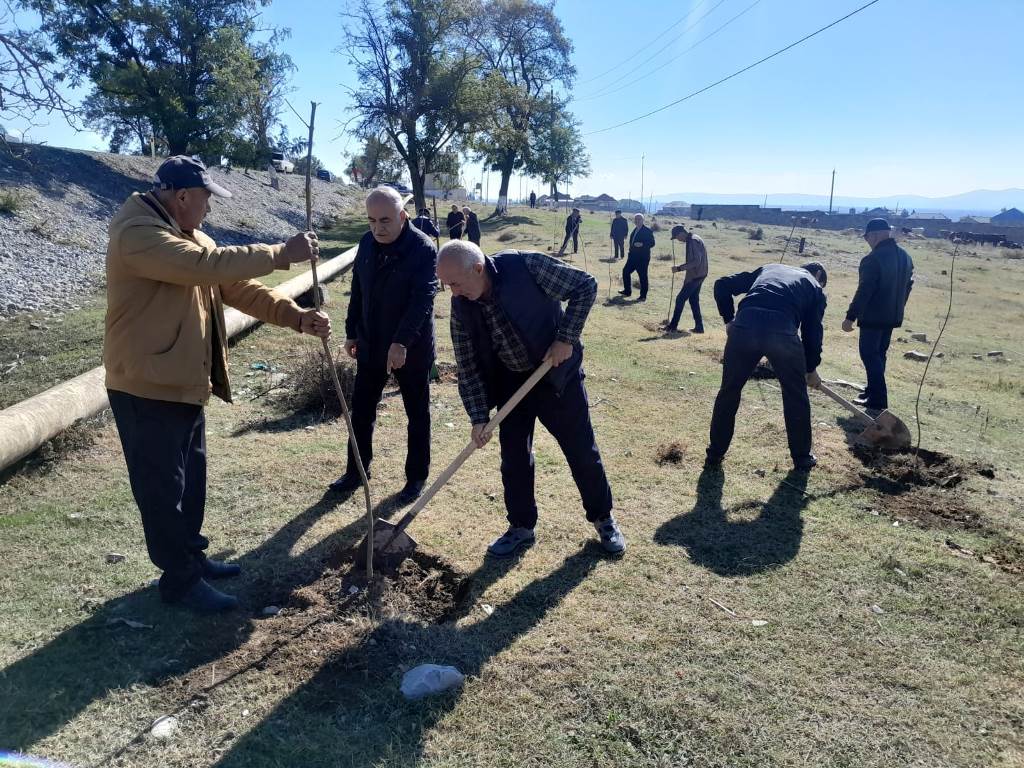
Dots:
(25, 426)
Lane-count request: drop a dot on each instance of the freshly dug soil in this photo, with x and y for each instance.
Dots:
(671, 453)
(927, 468)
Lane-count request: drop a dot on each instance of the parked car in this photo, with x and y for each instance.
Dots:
(397, 185)
(325, 175)
(281, 163)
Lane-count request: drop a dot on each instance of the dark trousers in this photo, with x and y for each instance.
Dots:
(165, 450)
(639, 264)
(475, 238)
(414, 385)
(690, 293)
(620, 247)
(567, 418)
(575, 234)
(874, 345)
(755, 334)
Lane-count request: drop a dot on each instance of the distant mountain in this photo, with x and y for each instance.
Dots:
(982, 202)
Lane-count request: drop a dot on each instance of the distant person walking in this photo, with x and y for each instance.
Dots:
(886, 277)
(641, 241)
(572, 229)
(619, 233)
(472, 225)
(533, 199)
(696, 269)
(455, 221)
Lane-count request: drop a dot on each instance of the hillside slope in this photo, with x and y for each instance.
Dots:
(55, 205)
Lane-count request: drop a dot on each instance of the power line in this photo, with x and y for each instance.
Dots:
(641, 50)
(676, 57)
(734, 74)
(660, 50)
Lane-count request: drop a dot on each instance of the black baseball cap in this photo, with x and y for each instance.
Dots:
(184, 172)
(877, 225)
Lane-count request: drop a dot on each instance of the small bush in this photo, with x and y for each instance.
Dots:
(12, 201)
(311, 388)
(505, 237)
(757, 234)
(1013, 253)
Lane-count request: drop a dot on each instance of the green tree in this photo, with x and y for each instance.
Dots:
(557, 153)
(525, 54)
(376, 161)
(416, 78)
(188, 65)
(263, 104)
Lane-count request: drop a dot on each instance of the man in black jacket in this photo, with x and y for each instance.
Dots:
(425, 224)
(619, 231)
(641, 241)
(472, 225)
(886, 278)
(780, 300)
(572, 229)
(455, 221)
(533, 199)
(389, 328)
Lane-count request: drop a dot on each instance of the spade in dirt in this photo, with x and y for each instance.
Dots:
(391, 544)
(884, 431)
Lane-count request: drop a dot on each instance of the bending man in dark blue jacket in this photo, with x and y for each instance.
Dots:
(425, 224)
(780, 300)
(886, 277)
(389, 328)
(507, 319)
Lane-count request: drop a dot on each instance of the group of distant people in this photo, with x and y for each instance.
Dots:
(165, 351)
(459, 221)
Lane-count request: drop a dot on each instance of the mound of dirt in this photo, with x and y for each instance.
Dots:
(671, 453)
(925, 468)
(447, 373)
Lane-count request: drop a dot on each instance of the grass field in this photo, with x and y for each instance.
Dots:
(759, 618)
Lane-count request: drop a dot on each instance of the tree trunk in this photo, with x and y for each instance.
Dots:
(506, 177)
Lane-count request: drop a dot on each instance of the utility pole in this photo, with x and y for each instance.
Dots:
(641, 183)
(832, 192)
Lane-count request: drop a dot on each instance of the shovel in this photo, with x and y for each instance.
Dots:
(884, 431)
(391, 544)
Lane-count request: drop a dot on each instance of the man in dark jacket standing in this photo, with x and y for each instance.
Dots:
(425, 224)
(780, 301)
(455, 221)
(507, 319)
(572, 229)
(618, 234)
(641, 241)
(533, 199)
(886, 278)
(472, 225)
(696, 269)
(389, 328)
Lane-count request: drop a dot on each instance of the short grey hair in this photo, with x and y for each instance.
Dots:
(386, 193)
(461, 252)
(638, 216)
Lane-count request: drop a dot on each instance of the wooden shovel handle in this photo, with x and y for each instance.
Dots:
(861, 416)
(452, 468)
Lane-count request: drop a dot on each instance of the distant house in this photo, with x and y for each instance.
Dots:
(630, 206)
(601, 202)
(919, 216)
(975, 220)
(1009, 218)
(434, 186)
(675, 208)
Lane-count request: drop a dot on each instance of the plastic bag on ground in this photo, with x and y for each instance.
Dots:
(428, 679)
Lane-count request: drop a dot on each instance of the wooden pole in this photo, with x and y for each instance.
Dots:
(330, 357)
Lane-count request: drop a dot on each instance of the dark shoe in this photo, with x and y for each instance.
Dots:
(807, 463)
(860, 400)
(641, 298)
(350, 482)
(511, 542)
(612, 540)
(204, 599)
(215, 569)
(671, 329)
(696, 330)
(412, 491)
(625, 293)
(873, 411)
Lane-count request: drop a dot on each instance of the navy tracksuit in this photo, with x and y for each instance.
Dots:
(392, 301)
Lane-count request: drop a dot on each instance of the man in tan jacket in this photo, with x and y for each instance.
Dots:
(165, 352)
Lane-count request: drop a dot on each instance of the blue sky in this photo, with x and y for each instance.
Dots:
(909, 96)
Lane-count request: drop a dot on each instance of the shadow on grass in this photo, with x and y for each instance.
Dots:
(53, 684)
(741, 548)
(497, 223)
(351, 711)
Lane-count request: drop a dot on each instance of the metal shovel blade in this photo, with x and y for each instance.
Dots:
(888, 431)
(391, 545)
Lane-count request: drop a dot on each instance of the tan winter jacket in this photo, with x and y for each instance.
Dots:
(166, 291)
